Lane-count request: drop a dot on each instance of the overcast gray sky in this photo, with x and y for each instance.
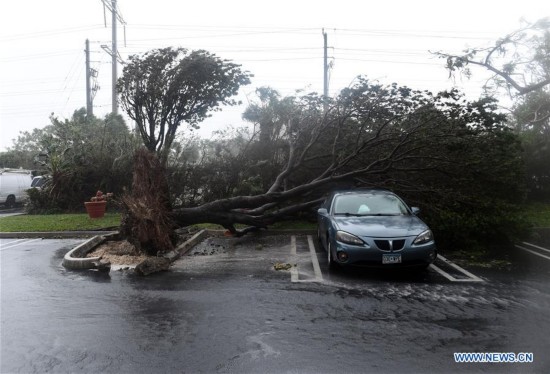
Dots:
(42, 60)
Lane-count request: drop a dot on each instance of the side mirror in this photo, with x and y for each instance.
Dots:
(322, 212)
(415, 210)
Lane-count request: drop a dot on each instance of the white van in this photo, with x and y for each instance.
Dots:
(14, 184)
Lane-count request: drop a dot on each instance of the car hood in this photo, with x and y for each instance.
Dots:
(381, 226)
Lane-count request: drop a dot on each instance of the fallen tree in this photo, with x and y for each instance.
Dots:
(455, 156)
(414, 142)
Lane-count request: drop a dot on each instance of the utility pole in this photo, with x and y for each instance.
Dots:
(325, 65)
(89, 103)
(114, 50)
(114, 58)
(325, 71)
(91, 83)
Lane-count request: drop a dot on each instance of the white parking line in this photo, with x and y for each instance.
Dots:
(294, 270)
(536, 246)
(534, 252)
(12, 242)
(471, 277)
(295, 273)
(17, 243)
(314, 260)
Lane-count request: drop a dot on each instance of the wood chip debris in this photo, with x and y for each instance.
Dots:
(282, 266)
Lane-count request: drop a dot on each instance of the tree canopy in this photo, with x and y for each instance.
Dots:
(455, 158)
(531, 120)
(520, 61)
(166, 87)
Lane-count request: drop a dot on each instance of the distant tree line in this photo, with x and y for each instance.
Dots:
(78, 156)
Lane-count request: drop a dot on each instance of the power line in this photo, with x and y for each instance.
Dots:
(389, 61)
(48, 33)
(36, 56)
(404, 34)
(461, 34)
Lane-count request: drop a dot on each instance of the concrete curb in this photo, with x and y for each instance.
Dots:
(75, 259)
(183, 248)
(81, 262)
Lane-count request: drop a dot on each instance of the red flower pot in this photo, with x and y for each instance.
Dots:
(96, 209)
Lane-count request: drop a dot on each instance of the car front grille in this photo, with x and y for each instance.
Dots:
(390, 245)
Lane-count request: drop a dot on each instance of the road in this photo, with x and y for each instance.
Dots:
(6, 212)
(225, 309)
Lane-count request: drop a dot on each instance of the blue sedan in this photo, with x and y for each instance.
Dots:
(373, 228)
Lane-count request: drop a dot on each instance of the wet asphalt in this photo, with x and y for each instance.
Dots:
(225, 309)
(6, 212)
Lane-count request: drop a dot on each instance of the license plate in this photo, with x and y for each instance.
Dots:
(391, 258)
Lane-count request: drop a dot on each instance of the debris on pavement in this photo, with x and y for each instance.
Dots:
(282, 266)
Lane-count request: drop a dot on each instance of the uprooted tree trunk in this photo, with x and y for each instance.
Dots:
(256, 212)
(146, 221)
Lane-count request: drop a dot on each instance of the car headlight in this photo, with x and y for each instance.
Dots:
(424, 237)
(347, 238)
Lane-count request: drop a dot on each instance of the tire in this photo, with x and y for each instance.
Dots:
(10, 202)
(319, 238)
(330, 259)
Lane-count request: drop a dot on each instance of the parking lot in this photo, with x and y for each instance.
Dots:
(225, 308)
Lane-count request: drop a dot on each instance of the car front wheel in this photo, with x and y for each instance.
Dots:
(330, 259)
(319, 238)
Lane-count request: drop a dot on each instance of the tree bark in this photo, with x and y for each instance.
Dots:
(146, 221)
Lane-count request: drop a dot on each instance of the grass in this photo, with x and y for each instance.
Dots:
(57, 222)
(538, 215)
(81, 222)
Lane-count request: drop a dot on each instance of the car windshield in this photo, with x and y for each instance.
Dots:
(37, 182)
(369, 205)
